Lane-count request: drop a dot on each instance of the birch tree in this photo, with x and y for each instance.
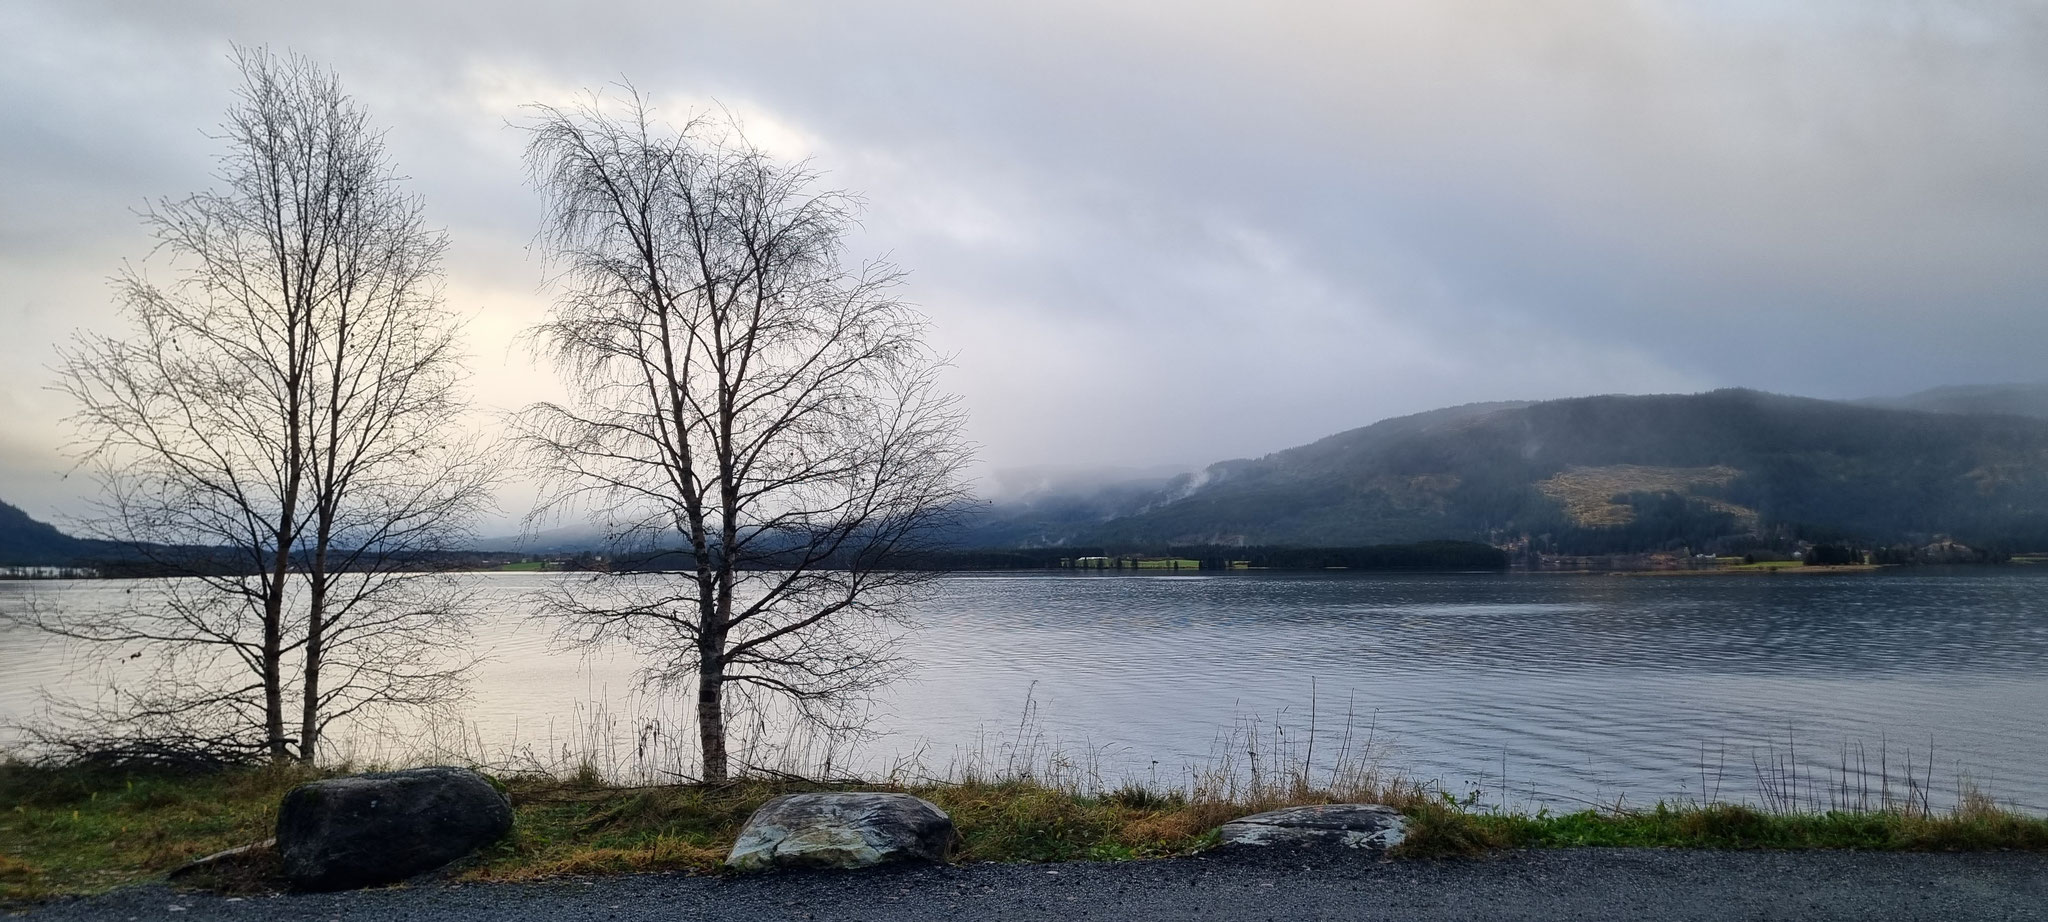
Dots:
(277, 439)
(757, 421)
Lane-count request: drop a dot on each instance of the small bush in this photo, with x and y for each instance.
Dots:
(1139, 797)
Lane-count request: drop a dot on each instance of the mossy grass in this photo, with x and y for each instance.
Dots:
(84, 829)
(81, 830)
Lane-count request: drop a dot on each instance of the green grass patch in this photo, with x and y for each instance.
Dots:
(585, 827)
(571, 828)
(1976, 826)
(77, 830)
(81, 830)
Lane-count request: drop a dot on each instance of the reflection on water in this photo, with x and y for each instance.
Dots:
(1569, 687)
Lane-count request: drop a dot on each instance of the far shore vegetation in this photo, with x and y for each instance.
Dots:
(1445, 556)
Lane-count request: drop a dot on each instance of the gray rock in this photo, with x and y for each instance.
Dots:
(367, 830)
(1367, 826)
(842, 830)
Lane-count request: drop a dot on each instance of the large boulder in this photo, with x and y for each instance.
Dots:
(1367, 826)
(842, 830)
(366, 830)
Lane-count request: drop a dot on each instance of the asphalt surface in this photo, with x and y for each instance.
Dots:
(1575, 884)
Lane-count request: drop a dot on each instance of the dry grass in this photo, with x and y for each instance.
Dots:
(84, 834)
(19, 879)
(1050, 808)
(1020, 797)
(584, 827)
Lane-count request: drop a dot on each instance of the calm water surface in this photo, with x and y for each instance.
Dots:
(1526, 687)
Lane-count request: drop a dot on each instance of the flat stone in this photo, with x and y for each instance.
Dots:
(842, 830)
(1368, 826)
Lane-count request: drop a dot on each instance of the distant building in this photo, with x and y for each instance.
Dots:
(1130, 562)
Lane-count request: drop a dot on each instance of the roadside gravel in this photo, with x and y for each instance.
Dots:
(1238, 884)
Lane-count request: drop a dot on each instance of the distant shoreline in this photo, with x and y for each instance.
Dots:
(1748, 571)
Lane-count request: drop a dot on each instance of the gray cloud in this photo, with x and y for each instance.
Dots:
(1162, 232)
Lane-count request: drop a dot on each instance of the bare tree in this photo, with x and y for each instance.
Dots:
(275, 437)
(757, 419)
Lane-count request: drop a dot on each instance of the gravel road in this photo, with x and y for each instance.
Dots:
(1575, 884)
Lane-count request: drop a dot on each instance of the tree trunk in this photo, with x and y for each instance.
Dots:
(711, 711)
(273, 679)
(273, 629)
(309, 711)
(318, 579)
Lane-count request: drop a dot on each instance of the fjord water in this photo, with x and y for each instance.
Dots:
(1538, 689)
(1572, 688)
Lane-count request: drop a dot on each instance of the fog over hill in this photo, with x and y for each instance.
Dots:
(2013, 399)
(1720, 470)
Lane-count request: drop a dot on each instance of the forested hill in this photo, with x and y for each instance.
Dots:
(2013, 399)
(1713, 471)
(27, 542)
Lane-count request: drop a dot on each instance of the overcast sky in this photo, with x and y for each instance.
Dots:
(1170, 232)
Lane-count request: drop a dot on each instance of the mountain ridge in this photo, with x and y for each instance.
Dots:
(2010, 399)
(1716, 470)
(28, 542)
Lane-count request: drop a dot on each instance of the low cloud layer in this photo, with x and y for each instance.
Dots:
(1159, 233)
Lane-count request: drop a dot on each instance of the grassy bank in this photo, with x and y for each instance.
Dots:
(79, 831)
